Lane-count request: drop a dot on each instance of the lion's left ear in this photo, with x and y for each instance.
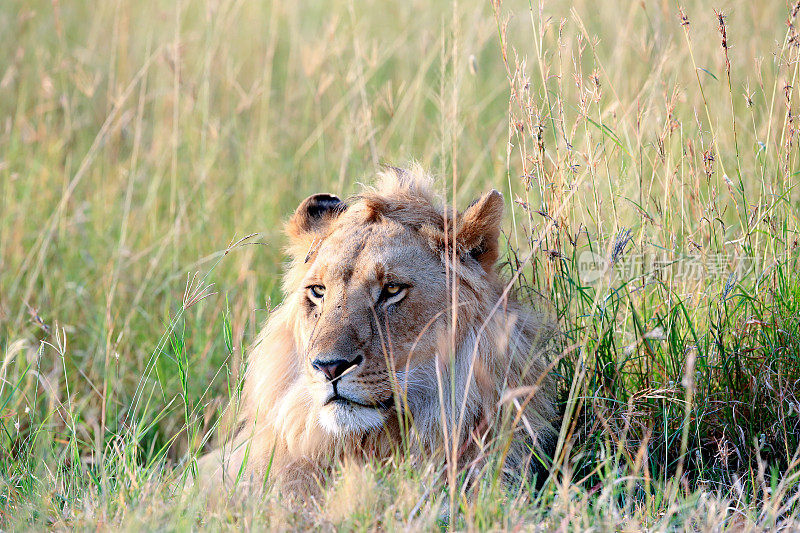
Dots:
(479, 229)
(311, 220)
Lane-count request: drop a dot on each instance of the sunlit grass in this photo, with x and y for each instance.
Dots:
(652, 197)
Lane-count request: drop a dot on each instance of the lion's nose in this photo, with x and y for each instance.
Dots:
(333, 368)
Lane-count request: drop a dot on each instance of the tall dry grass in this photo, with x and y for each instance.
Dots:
(649, 151)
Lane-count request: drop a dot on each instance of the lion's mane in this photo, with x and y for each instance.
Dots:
(493, 386)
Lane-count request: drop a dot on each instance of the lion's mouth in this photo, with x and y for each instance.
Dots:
(338, 399)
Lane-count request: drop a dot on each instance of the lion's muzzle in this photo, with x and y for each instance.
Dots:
(334, 368)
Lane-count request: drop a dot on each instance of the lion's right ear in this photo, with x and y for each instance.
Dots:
(311, 219)
(479, 229)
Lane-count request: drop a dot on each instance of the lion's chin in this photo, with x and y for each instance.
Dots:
(342, 418)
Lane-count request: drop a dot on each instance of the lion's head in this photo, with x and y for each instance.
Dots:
(393, 313)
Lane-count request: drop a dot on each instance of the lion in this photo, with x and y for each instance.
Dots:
(395, 325)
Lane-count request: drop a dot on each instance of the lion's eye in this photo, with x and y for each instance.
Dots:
(393, 293)
(316, 292)
(393, 289)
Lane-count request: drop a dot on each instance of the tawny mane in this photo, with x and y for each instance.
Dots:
(494, 379)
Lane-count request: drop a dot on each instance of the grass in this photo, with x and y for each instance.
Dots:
(648, 153)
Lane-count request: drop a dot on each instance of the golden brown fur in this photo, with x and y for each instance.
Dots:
(370, 290)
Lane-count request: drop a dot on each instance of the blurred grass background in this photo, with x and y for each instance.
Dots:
(141, 141)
